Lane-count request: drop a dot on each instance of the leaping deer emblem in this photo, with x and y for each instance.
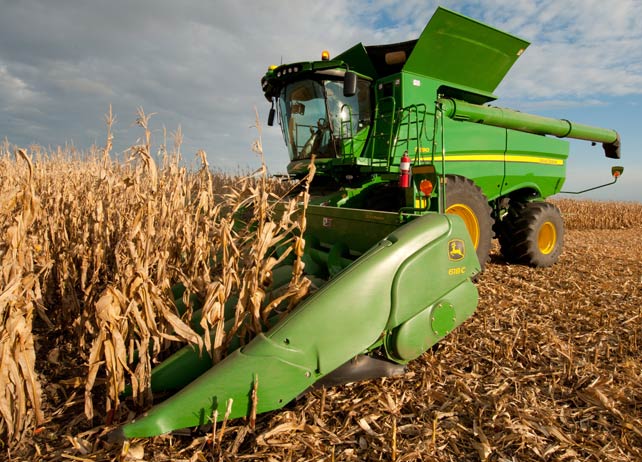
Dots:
(456, 250)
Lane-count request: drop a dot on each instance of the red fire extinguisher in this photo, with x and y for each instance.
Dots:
(404, 171)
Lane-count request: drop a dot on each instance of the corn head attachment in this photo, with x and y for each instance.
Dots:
(376, 312)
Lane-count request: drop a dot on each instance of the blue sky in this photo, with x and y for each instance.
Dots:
(198, 64)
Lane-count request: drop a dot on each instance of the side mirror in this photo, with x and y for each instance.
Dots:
(271, 116)
(617, 171)
(349, 84)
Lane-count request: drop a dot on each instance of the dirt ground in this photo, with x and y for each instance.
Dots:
(548, 369)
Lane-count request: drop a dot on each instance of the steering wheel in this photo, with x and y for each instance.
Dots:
(322, 124)
(311, 146)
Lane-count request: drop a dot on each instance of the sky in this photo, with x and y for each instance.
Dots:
(197, 65)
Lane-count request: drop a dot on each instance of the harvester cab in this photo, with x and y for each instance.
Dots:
(415, 174)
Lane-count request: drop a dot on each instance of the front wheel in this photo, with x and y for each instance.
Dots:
(532, 233)
(465, 199)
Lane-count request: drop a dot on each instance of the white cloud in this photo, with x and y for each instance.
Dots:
(13, 90)
(580, 49)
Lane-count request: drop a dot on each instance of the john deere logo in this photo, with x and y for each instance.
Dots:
(456, 250)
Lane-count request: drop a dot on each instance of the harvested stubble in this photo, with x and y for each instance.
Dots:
(549, 367)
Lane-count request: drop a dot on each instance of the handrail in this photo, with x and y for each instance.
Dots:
(378, 117)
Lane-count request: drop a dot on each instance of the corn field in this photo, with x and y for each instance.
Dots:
(91, 249)
(599, 215)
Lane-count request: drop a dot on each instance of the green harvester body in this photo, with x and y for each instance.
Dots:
(394, 261)
(456, 64)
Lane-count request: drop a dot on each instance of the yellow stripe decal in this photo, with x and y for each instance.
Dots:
(498, 158)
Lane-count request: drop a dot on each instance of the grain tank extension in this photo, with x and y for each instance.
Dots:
(415, 175)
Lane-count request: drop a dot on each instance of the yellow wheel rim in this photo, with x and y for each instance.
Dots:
(547, 238)
(470, 220)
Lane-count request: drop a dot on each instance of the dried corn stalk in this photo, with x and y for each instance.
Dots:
(599, 215)
(257, 221)
(20, 393)
(178, 226)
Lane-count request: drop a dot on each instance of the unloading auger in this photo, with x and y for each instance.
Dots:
(415, 175)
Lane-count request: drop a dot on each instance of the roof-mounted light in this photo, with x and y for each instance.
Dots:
(325, 55)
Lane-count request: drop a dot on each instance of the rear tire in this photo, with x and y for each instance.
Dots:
(532, 233)
(466, 200)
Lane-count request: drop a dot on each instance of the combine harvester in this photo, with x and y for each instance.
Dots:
(415, 174)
